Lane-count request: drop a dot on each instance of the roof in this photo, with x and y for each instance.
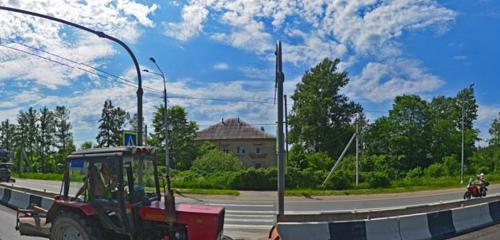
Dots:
(232, 128)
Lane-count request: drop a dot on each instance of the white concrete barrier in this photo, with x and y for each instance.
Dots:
(414, 227)
(382, 229)
(19, 199)
(467, 218)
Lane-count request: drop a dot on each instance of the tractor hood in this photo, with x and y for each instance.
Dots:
(203, 222)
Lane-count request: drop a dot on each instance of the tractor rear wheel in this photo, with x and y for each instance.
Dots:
(72, 226)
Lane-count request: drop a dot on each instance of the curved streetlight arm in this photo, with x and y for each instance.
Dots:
(102, 35)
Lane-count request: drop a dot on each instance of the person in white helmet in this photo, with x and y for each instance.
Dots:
(481, 184)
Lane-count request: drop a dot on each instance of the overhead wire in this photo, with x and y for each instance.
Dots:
(104, 74)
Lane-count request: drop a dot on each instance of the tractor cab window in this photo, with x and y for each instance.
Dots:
(96, 179)
(140, 178)
(78, 170)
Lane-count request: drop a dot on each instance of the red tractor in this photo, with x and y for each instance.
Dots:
(114, 193)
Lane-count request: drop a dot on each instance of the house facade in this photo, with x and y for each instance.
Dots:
(253, 146)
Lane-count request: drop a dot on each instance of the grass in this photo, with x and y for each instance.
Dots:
(407, 185)
(40, 176)
(207, 191)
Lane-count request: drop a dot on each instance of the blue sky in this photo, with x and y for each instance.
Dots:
(224, 50)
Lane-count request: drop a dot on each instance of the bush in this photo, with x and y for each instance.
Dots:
(451, 165)
(339, 180)
(435, 170)
(378, 180)
(415, 173)
(255, 179)
(216, 161)
(307, 178)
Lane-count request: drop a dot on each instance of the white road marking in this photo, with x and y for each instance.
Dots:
(251, 211)
(256, 227)
(250, 216)
(249, 220)
(239, 205)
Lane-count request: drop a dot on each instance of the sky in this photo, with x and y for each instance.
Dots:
(218, 56)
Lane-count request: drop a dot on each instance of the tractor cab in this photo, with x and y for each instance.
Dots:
(116, 192)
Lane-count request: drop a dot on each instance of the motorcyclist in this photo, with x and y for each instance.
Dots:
(481, 184)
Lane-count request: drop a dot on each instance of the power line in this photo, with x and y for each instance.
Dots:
(101, 72)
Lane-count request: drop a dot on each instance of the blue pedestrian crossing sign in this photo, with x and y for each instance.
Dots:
(129, 138)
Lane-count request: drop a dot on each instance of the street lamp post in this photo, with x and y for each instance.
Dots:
(101, 35)
(462, 160)
(169, 196)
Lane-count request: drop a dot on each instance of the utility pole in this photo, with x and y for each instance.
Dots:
(357, 150)
(101, 35)
(281, 163)
(462, 164)
(286, 131)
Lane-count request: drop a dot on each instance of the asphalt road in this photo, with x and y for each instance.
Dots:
(252, 214)
(7, 226)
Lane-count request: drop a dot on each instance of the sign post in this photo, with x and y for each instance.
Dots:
(129, 138)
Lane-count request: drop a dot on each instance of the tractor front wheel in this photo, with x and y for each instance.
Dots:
(72, 226)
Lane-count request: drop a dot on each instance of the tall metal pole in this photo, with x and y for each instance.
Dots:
(286, 131)
(357, 150)
(101, 35)
(462, 164)
(281, 163)
(169, 195)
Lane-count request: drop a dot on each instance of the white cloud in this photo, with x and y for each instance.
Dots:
(193, 17)
(120, 18)
(379, 82)
(487, 113)
(221, 66)
(315, 29)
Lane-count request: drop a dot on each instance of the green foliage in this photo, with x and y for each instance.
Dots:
(339, 180)
(216, 161)
(255, 179)
(415, 173)
(181, 136)
(451, 165)
(378, 180)
(111, 125)
(319, 161)
(320, 111)
(435, 170)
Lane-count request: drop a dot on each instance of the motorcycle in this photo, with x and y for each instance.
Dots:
(474, 190)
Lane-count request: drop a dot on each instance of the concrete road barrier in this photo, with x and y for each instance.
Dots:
(414, 227)
(464, 219)
(433, 225)
(19, 199)
(382, 229)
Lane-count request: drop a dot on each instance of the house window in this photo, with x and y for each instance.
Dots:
(225, 148)
(258, 148)
(258, 165)
(240, 150)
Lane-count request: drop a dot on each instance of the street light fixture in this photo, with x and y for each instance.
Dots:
(169, 194)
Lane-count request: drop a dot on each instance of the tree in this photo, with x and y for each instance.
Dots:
(63, 135)
(86, 145)
(404, 134)
(111, 125)
(7, 135)
(181, 132)
(495, 133)
(321, 117)
(46, 135)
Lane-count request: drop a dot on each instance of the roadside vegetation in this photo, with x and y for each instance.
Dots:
(416, 145)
